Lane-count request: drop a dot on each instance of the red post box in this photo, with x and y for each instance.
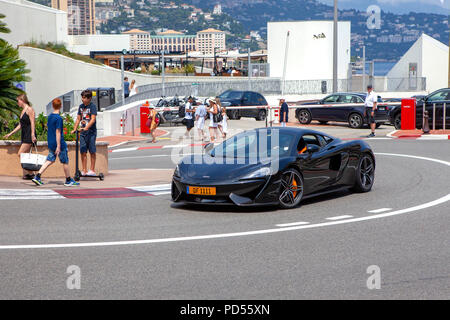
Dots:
(144, 112)
(408, 114)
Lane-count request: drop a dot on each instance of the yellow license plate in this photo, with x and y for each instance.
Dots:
(202, 191)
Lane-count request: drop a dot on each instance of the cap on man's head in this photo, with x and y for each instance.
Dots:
(369, 86)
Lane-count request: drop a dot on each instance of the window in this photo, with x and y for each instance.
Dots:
(440, 96)
(330, 99)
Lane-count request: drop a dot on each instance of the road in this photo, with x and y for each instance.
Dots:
(149, 248)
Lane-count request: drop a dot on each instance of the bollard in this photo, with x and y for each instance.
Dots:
(426, 126)
(121, 126)
(444, 116)
(132, 124)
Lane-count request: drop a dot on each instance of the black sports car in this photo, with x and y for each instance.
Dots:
(273, 166)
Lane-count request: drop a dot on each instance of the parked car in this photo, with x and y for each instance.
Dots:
(437, 98)
(247, 99)
(341, 107)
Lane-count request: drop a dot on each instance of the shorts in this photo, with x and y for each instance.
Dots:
(87, 142)
(63, 157)
(370, 118)
(189, 123)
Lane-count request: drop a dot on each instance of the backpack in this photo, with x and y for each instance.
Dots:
(181, 111)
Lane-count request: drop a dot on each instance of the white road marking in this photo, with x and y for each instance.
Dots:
(29, 194)
(300, 223)
(160, 193)
(339, 217)
(152, 189)
(380, 210)
(125, 150)
(430, 204)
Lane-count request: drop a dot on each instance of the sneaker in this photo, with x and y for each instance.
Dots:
(371, 135)
(37, 181)
(71, 183)
(91, 173)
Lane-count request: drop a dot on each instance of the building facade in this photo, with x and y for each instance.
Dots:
(210, 41)
(80, 15)
(173, 41)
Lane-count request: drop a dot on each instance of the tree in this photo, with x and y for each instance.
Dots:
(12, 70)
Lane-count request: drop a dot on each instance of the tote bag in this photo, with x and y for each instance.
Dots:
(32, 161)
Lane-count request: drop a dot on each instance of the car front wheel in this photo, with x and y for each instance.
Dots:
(365, 174)
(291, 189)
(304, 117)
(398, 121)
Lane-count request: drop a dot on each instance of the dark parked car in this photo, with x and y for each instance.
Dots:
(248, 99)
(294, 164)
(437, 98)
(341, 107)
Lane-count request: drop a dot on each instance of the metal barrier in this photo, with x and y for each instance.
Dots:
(444, 115)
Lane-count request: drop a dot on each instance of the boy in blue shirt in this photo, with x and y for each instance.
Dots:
(57, 147)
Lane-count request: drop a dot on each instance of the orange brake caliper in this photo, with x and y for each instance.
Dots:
(294, 183)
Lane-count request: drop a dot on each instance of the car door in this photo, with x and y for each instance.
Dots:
(435, 102)
(316, 167)
(344, 107)
(246, 111)
(325, 111)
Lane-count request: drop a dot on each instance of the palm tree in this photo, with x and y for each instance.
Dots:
(12, 71)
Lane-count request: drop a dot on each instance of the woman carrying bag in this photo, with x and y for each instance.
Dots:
(28, 131)
(152, 122)
(214, 118)
(223, 125)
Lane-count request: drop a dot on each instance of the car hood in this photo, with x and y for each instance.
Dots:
(202, 169)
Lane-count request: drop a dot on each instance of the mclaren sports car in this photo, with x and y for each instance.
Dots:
(273, 166)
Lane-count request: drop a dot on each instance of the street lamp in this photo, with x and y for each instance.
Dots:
(335, 46)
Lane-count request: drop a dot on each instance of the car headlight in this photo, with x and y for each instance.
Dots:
(177, 171)
(260, 173)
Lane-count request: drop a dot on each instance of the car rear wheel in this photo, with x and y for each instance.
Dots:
(291, 189)
(365, 174)
(398, 121)
(355, 121)
(261, 115)
(304, 116)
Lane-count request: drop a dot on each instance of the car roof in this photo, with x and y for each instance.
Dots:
(296, 131)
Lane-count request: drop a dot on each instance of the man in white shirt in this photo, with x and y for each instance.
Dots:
(371, 107)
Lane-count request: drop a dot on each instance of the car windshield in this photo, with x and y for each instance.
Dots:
(255, 144)
(231, 95)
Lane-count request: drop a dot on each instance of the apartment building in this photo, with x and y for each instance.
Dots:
(173, 41)
(80, 15)
(209, 39)
(139, 40)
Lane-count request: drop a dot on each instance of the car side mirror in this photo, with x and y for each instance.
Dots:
(312, 148)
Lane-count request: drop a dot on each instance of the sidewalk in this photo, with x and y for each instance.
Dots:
(414, 134)
(115, 179)
(121, 139)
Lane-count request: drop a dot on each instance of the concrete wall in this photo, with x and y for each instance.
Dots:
(53, 75)
(310, 52)
(99, 42)
(10, 163)
(30, 21)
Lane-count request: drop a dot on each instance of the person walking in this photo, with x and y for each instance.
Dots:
(200, 116)
(222, 125)
(87, 120)
(133, 89)
(371, 106)
(212, 110)
(284, 112)
(57, 147)
(153, 124)
(27, 125)
(126, 87)
(188, 116)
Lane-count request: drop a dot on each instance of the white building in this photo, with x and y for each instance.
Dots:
(427, 58)
(84, 44)
(217, 9)
(29, 21)
(310, 49)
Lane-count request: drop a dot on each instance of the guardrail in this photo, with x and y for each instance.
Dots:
(444, 115)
